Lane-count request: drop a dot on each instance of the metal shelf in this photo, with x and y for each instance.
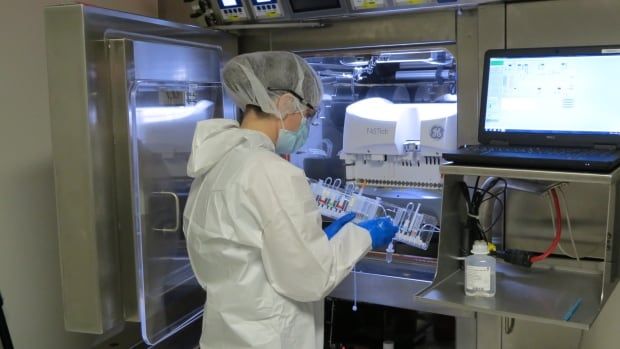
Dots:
(548, 290)
(394, 285)
(529, 294)
(542, 175)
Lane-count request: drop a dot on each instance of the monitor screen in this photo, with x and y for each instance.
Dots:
(314, 5)
(230, 3)
(560, 94)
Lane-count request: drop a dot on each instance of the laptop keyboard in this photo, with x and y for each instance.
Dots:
(542, 152)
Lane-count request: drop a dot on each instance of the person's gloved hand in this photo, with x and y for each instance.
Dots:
(336, 225)
(381, 230)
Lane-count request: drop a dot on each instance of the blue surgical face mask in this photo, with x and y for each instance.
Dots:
(290, 141)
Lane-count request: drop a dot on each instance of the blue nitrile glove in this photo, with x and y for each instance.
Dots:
(336, 225)
(381, 230)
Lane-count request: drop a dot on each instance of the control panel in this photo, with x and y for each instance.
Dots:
(410, 2)
(232, 10)
(318, 8)
(266, 9)
(367, 4)
(256, 11)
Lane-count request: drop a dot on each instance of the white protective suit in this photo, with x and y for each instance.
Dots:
(256, 243)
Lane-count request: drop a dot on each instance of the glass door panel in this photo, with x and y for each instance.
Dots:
(163, 120)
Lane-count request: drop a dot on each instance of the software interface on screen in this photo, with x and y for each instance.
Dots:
(228, 3)
(578, 94)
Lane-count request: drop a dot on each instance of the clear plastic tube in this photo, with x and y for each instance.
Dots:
(354, 290)
(389, 252)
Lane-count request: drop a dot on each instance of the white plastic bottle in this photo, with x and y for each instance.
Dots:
(480, 271)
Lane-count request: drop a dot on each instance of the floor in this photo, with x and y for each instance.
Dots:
(187, 339)
(425, 339)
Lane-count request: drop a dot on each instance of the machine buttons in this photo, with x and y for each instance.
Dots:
(267, 11)
(271, 7)
(233, 14)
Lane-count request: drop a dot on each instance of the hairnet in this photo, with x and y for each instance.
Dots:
(247, 78)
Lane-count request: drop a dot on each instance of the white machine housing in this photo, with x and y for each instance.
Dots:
(267, 9)
(397, 145)
(367, 4)
(231, 11)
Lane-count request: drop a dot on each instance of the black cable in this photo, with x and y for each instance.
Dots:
(501, 201)
(468, 231)
(494, 222)
(5, 335)
(475, 197)
(465, 192)
(504, 220)
(488, 191)
(491, 196)
(479, 197)
(472, 201)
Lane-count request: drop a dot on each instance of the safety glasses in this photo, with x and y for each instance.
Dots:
(311, 113)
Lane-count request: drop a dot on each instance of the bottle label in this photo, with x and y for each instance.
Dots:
(478, 278)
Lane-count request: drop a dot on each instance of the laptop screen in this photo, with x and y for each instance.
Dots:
(552, 93)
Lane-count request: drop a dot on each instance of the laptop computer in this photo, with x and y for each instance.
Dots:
(548, 108)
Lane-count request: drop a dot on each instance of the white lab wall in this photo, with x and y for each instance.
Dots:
(29, 267)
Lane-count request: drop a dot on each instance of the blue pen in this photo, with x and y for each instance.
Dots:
(572, 310)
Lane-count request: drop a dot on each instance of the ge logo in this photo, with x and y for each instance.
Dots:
(437, 132)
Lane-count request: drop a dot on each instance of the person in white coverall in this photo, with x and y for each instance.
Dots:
(253, 229)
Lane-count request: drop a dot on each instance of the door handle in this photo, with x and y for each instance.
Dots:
(177, 209)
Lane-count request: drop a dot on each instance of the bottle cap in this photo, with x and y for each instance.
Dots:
(480, 247)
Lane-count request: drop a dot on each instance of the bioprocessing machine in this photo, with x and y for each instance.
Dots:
(385, 120)
(397, 145)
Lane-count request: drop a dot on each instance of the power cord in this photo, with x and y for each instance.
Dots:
(475, 230)
(473, 201)
(526, 258)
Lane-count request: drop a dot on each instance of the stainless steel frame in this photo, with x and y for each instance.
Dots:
(400, 281)
(80, 104)
(347, 10)
(97, 262)
(403, 31)
(139, 173)
(545, 292)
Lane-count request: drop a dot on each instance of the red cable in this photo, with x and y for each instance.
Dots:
(558, 229)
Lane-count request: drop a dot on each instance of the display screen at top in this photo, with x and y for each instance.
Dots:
(264, 1)
(314, 5)
(230, 3)
(556, 94)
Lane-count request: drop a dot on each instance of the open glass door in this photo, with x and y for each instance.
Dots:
(167, 88)
(164, 118)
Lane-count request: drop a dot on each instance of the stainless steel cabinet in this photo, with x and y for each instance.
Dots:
(126, 93)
